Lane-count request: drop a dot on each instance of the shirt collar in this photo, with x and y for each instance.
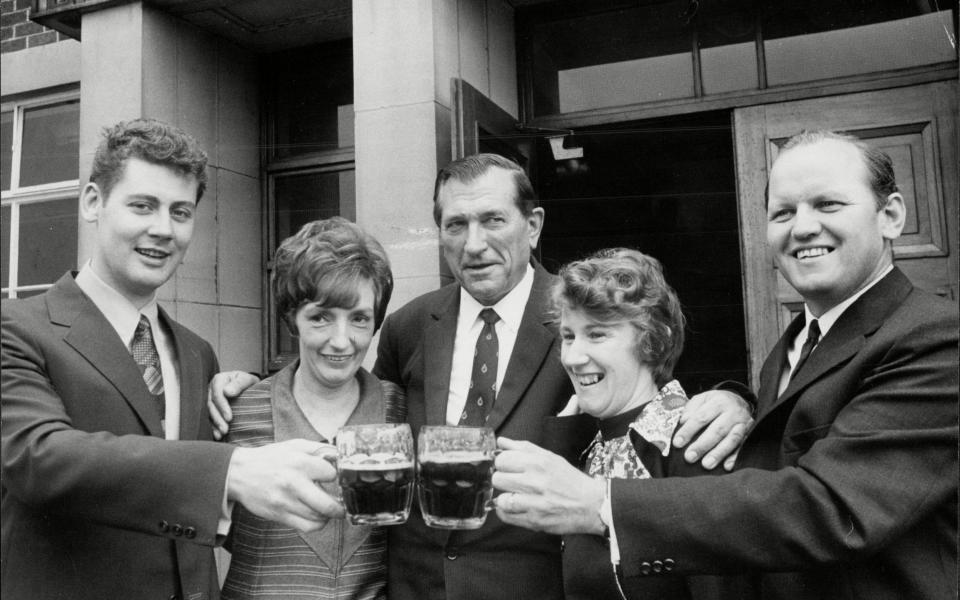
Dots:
(119, 312)
(510, 308)
(827, 319)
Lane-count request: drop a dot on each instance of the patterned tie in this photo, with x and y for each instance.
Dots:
(483, 380)
(145, 353)
(813, 338)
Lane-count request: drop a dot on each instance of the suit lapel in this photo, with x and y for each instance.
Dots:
(773, 366)
(92, 336)
(189, 364)
(844, 340)
(438, 355)
(534, 341)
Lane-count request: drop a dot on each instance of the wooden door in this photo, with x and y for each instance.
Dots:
(916, 126)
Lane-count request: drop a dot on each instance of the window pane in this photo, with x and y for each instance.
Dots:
(805, 41)
(618, 57)
(48, 240)
(6, 148)
(303, 198)
(312, 99)
(728, 54)
(51, 144)
(4, 246)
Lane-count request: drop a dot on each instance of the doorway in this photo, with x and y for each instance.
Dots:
(666, 187)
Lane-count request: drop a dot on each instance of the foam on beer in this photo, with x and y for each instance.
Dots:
(455, 456)
(376, 462)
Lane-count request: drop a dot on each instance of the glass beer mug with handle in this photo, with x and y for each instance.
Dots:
(375, 468)
(454, 471)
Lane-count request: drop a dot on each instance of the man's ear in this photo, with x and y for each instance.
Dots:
(535, 222)
(91, 199)
(893, 215)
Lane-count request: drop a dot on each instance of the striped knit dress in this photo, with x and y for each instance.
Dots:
(271, 561)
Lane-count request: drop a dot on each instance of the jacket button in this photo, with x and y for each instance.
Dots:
(668, 565)
(177, 530)
(189, 533)
(644, 568)
(657, 566)
(164, 526)
(452, 554)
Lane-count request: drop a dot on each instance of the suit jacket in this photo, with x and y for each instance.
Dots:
(271, 560)
(497, 561)
(849, 478)
(95, 503)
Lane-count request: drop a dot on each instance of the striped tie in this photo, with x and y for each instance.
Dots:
(145, 353)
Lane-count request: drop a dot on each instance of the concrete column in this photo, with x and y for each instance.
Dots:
(397, 128)
(137, 61)
(405, 54)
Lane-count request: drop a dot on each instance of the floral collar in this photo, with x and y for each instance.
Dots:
(616, 458)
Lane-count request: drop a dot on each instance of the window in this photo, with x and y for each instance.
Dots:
(610, 53)
(38, 205)
(309, 155)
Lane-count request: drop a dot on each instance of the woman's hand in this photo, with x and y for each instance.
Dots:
(720, 420)
(542, 491)
(224, 387)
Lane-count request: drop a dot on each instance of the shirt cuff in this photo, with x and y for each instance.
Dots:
(226, 512)
(606, 515)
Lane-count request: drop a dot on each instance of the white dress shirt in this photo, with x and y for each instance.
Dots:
(469, 324)
(825, 322)
(124, 317)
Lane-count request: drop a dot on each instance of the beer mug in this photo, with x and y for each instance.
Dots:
(375, 469)
(454, 471)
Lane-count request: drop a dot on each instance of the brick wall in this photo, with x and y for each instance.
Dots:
(18, 32)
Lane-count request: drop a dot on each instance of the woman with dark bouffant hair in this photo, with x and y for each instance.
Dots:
(332, 283)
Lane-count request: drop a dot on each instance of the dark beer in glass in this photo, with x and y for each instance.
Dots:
(454, 471)
(376, 472)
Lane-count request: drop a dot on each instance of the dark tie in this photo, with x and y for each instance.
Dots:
(813, 338)
(145, 353)
(483, 380)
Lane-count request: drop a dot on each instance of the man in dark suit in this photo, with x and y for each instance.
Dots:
(112, 485)
(847, 485)
(489, 222)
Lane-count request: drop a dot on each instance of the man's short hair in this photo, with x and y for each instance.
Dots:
(152, 141)
(325, 262)
(470, 168)
(879, 166)
(621, 284)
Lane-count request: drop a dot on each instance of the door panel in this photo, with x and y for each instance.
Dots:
(916, 126)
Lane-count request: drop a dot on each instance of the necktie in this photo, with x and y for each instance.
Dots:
(483, 380)
(813, 338)
(145, 354)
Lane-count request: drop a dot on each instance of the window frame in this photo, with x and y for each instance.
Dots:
(338, 159)
(527, 19)
(18, 196)
(334, 161)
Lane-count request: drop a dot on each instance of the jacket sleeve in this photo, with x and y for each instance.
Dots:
(121, 479)
(857, 479)
(387, 365)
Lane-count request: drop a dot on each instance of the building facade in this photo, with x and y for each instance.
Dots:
(648, 124)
